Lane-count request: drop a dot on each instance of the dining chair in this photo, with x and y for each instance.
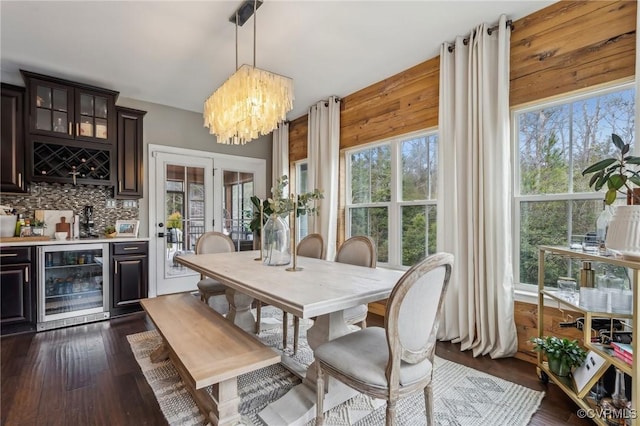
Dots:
(394, 361)
(310, 246)
(359, 250)
(212, 242)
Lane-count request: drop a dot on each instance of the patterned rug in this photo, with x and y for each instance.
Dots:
(462, 396)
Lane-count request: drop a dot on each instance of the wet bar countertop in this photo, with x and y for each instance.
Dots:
(52, 241)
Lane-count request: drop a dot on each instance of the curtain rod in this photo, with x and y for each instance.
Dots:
(336, 99)
(490, 30)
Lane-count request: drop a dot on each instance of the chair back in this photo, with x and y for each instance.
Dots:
(311, 246)
(413, 311)
(359, 250)
(214, 242)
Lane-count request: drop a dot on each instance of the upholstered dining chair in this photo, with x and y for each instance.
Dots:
(359, 250)
(394, 361)
(212, 242)
(310, 246)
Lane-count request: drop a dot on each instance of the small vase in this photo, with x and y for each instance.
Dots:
(277, 250)
(558, 367)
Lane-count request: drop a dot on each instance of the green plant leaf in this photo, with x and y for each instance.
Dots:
(616, 181)
(610, 197)
(599, 166)
(595, 177)
(625, 149)
(632, 160)
(617, 141)
(635, 180)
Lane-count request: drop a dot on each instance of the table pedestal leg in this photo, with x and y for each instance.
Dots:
(298, 406)
(240, 310)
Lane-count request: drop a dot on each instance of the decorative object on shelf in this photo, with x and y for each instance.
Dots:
(585, 374)
(37, 227)
(614, 172)
(280, 207)
(110, 231)
(623, 234)
(562, 354)
(252, 102)
(127, 228)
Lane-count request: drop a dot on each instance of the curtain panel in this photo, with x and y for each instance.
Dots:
(280, 153)
(322, 156)
(475, 208)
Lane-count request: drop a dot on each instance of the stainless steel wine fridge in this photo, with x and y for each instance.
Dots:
(73, 284)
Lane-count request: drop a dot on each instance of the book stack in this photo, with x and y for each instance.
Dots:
(623, 351)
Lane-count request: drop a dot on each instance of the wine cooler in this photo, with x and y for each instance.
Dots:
(73, 284)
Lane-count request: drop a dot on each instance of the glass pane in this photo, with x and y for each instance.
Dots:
(303, 221)
(86, 105)
(173, 186)
(60, 122)
(544, 151)
(238, 209)
(552, 223)
(415, 169)
(43, 119)
(101, 107)
(60, 100)
(101, 128)
(381, 174)
(372, 222)
(43, 98)
(418, 233)
(360, 177)
(86, 127)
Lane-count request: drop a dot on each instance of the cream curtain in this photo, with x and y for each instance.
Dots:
(280, 154)
(475, 190)
(322, 155)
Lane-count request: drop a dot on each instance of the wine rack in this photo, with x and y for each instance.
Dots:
(71, 164)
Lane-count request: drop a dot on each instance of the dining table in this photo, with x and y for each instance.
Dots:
(321, 290)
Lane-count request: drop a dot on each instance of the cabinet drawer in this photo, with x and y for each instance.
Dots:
(10, 255)
(140, 247)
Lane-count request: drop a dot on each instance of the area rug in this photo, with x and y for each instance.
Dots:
(462, 396)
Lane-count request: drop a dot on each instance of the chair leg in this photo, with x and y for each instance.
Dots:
(296, 331)
(258, 315)
(391, 413)
(285, 329)
(428, 404)
(319, 395)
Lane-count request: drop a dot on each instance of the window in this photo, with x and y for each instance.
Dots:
(392, 197)
(553, 202)
(301, 187)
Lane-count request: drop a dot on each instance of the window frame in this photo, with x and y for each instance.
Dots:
(518, 198)
(395, 204)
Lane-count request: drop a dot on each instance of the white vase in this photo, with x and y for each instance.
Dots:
(276, 241)
(623, 235)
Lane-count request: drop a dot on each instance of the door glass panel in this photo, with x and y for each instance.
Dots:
(185, 214)
(86, 105)
(60, 122)
(101, 128)
(237, 208)
(86, 126)
(59, 100)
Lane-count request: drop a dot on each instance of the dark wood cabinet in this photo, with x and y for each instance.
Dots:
(130, 180)
(18, 290)
(69, 110)
(130, 278)
(12, 161)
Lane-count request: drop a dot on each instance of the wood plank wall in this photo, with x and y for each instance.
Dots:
(565, 47)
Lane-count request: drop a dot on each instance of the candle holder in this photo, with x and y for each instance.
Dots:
(294, 254)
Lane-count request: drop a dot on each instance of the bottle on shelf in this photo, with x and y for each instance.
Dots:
(602, 225)
(587, 275)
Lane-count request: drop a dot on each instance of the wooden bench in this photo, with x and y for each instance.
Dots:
(206, 349)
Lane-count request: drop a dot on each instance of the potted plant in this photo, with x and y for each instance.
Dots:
(562, 354)
(110, 231)
(614, 172)
(37, 227)
(623, 234)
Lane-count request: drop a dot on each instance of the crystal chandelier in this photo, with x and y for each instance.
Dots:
(252, 102)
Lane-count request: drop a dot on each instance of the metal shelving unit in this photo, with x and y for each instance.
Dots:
(566, 384)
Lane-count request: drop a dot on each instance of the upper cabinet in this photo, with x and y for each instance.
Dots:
(130, 171)
(68, 110)
(12, 161)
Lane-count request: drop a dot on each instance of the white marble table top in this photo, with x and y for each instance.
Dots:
(320, 288)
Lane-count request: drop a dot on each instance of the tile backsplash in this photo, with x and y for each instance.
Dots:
(55, 196)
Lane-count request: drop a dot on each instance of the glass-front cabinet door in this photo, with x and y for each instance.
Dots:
(92, 116)
(51, 107)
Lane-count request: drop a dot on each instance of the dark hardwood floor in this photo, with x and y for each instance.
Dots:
(87, 375)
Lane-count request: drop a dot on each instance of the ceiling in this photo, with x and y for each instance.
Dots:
(177, 53)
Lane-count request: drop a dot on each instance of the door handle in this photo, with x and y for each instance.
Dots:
(160, 234)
